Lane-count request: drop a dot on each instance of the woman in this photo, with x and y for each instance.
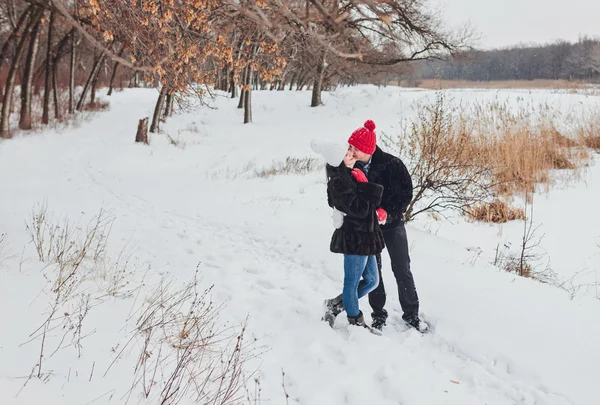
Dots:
(358, 238)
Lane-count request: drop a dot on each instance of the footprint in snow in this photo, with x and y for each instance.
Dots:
(266, 284)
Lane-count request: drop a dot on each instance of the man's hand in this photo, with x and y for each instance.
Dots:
(381, 215)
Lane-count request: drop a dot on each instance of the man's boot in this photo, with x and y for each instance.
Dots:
(333, 308)
(416, 322)
(360, 321)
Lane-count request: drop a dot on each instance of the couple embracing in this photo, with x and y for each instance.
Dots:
(369, 191)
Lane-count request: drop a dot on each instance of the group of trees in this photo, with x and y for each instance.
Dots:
(57, 52)
(560, 60)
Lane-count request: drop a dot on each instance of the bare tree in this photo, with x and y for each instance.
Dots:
(12, 73)
(114, 74)
(355, 30)
(446, 171)
(92, 76)
(27, 82)
(49, 70)
(18, 27)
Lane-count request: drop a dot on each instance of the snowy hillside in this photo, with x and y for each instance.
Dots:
(201, 199)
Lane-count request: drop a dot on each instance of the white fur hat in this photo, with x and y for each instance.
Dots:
(333, 152)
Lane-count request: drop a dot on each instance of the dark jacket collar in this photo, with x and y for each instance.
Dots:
(377, 155)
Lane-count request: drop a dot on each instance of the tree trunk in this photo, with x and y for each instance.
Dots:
(239, 48)
(10, 79)
(142, 131)
(90, 80)
(12, 37)
(219, 81)
(243, 91)
(95, 82)
(136, 74)
(242, 98)
(27, 83)
(316, 91)
(56, 54)
(57, 114)
(233, 85)
(300, 82)
(12, 13)
(281, 83)
(93, 91)
(157, 110)
(114, 74)
(225, 79)
(72, 74)
(15, 32)
(112, 79)
(169, 105)
(233, 89)
(172, 105)
(248, 98)
(49, 71)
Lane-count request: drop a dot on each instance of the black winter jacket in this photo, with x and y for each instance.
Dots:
(360, 233)
(391, 173)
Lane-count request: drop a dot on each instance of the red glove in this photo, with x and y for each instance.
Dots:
(381, 215)
(359, 176)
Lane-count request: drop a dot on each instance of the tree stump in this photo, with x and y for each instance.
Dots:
(142, 131)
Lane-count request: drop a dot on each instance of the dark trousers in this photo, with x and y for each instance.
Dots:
(396, 243)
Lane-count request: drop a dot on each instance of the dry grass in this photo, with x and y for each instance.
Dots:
(522, 147)
(470, 155)
(514, 264)
(74, 254)
(588, 132)
(290, 166)
(500, 84)
(523, 157)
(184, 352)
(497, 212)
(593, 143)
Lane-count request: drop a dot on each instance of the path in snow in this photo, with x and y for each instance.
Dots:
(496, 339)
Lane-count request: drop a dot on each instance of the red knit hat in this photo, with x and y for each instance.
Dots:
(364, 139)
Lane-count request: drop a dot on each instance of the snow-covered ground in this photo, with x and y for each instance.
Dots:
(263, 242)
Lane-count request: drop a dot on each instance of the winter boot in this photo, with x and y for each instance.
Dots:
(333, 308)
(378, 323)
(417, 323)
(358, 320)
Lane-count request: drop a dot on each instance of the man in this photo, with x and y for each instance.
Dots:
(391, 173)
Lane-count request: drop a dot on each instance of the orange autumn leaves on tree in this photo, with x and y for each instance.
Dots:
(180, 39)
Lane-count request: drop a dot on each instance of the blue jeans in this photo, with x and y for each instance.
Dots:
(354, 287)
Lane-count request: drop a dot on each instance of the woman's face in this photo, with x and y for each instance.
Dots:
(349, 159)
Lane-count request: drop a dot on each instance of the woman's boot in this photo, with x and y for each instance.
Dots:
(358, 320)
(333, 308)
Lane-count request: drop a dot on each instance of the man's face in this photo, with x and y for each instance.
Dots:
(358, 155)
(349, 159)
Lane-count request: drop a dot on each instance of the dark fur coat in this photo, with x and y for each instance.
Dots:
(360, 233)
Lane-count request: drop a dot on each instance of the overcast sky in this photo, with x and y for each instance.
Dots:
(509, 22)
